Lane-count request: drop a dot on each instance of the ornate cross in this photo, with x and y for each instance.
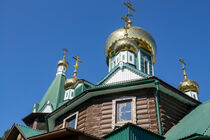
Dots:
(76, 65)
(130, 7)
(183, 67)
(65, 51)
(125, 18)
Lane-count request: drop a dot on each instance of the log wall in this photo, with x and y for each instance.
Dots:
(95, 115)
(171, 111)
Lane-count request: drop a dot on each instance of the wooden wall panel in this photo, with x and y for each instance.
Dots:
(95, 115)
(171, 111)
(146, 112)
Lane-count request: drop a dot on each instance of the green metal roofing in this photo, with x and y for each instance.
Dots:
(197, 121)
(28, 132)
(54, 94)
(132, 132)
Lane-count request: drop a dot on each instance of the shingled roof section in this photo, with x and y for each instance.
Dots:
(196, 122)
(54, 94)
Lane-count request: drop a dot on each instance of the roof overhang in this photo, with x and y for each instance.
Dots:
(32, 116)
(116, 88)
(14, 132)
(66, 133)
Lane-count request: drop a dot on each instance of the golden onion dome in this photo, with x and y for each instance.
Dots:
(70, 82)
(142, 38)
(188, 85)
(125, 44)
(63, 62)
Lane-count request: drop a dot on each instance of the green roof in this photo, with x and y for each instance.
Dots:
(132, 132)
(196, 122)
(28, 132)
(55, 93)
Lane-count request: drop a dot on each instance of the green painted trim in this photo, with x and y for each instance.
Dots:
(120, 85)
(46, 122)
(157, 106)
(195, 137)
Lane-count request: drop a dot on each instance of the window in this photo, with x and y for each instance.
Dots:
(71, 121)
(146, 66)
(123, 57)
(131, 58)
(123, 111)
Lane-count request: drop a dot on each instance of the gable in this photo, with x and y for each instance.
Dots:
(122, 74)
(22, 132)
(47, 109)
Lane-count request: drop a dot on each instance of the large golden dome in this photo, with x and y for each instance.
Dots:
(142, 38)
(188, 85)
(125, 44)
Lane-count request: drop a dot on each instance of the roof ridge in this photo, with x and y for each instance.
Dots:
(29, 127)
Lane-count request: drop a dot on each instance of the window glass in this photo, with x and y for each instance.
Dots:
(123, 111)
(123, 57)
(131, 57)
(146, 66)
(71, 122)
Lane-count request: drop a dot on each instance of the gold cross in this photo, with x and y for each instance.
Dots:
(125, 18)
(65, 51)
(183, 67)
(130, 7)
(76, 65)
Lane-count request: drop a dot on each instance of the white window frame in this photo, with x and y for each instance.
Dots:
(68, 94)
(114, 110)
(76, 118)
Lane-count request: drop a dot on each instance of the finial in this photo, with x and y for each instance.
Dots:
(183, 67)
(130, 7)
(65, 51)
(125, 18)
(76, 65)
(63, 62)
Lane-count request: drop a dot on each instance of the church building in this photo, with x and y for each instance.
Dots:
(129, 103)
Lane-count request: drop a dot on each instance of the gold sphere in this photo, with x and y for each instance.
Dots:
(188, 85)
(63, 62)
(70, 82)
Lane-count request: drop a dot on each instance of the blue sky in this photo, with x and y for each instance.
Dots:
(33, 33)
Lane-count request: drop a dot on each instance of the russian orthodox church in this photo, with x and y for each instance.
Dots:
(128, 103)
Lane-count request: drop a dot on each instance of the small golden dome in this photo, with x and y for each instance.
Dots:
(63, 62)
(125, 44)
(70, 82)
(188, 85)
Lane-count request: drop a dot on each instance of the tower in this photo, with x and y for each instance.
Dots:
(51, 100)
(130, 52)
(71, 82)
(187, 86)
